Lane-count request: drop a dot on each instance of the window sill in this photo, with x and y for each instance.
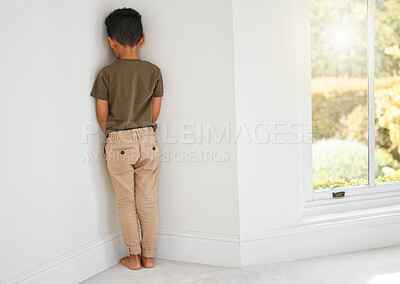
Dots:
(371, 214)
(358, 200)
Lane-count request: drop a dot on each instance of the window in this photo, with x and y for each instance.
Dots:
(355, 86)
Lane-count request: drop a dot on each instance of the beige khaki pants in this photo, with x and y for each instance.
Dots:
(133, 159)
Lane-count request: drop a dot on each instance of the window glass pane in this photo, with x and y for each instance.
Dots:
(387, 91)
(339, 93)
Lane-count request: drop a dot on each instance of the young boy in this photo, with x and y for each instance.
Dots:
(129, 93)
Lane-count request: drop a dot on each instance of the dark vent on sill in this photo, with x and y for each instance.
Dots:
(338, 194)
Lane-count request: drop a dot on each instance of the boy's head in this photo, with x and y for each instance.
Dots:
(124, 28)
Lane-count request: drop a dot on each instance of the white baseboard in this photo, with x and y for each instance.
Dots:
(76, 265)
(320, 239)
(197, 247)
(298, 242)
(92, 258)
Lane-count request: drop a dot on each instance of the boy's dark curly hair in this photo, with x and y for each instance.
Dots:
(125, 26)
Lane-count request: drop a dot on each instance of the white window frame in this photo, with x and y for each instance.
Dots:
(368, 196)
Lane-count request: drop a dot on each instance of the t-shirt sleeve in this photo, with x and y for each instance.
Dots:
(100, 87)
(159, 88)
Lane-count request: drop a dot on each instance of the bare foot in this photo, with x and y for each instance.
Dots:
(148, 262)
(132, 262)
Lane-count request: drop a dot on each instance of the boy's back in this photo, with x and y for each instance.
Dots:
(129, 86)
(129, 93)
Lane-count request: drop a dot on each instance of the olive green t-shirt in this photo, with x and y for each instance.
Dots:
(129, 86)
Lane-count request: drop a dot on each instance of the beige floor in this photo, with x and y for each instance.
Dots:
(378, 266)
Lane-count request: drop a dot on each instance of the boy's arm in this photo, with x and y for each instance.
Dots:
(102, 113)
(156, 107)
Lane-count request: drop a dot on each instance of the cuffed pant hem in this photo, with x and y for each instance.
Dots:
(149, 252)
(133, 249)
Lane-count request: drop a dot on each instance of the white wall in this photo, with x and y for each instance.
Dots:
(267, 91)
(56, 206)
(51, 201)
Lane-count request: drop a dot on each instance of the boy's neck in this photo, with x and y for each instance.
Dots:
(129, 57)
(127, 52)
